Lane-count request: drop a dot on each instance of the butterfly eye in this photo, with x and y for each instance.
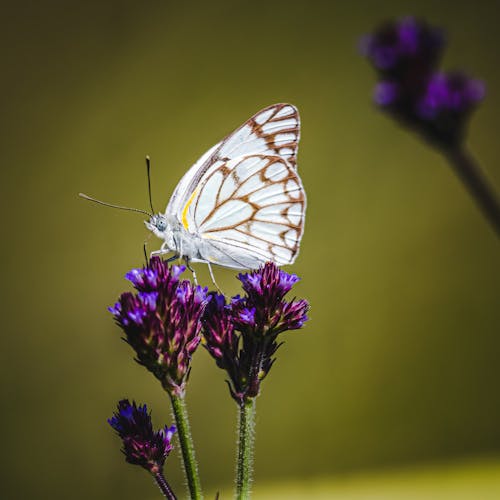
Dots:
(161, 225)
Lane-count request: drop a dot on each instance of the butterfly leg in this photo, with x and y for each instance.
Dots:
(163, 250)
(210, 270)
(188, 265)
(174, 257)
(160, 252)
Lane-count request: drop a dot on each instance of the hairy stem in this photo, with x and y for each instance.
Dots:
(187, 447)
(477, 184)
(164, 486)
(246, 440)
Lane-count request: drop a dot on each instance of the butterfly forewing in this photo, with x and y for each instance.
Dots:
(275, 131)
(250, 209)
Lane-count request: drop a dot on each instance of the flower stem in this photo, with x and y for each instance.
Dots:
(164, 486)
(244, 464)
(477, 184)
(187, 447)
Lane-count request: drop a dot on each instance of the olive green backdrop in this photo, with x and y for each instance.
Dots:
(399, 363)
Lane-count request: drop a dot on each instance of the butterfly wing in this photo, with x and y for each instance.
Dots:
(275, 130)
(247, 211)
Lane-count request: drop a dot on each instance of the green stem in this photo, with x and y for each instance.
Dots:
(477, 184)
(244, 464)
(187, 447)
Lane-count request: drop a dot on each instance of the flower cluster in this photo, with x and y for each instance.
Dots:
(406, 55)
(242, 335)
(162, 321)
(141, 444)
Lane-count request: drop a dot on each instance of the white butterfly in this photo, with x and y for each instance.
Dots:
(242, 203)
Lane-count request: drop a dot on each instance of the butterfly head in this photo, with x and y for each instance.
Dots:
(158, 225)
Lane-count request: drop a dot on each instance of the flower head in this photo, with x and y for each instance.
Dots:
(241, 335)
(141, 444)
(162, 321)
(405, 54)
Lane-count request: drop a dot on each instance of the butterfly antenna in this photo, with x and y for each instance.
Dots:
(148, 170)
(130, 209)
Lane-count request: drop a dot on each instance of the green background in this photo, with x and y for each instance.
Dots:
(399, 363)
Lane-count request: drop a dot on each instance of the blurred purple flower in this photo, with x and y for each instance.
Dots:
(162, 321)
(242, 335)
(406, 54)
(141, 444)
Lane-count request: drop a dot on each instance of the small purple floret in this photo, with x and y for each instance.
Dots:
(176, 271)
(148, 300)
(246, 315)
(116, 309)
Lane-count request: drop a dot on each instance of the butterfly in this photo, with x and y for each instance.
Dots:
(242, 203)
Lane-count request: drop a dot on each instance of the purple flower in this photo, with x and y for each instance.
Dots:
(162, 321)
(242, 335)
(141, 444)
(406, 54)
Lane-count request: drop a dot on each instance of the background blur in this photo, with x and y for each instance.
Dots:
(399, 364)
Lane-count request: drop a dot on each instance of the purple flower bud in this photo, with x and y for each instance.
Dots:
(162, 321)
(141, 444)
